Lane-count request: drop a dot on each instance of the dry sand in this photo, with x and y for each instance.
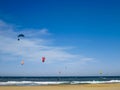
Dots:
(65, 87)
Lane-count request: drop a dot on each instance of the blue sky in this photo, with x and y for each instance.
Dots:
(77, 37)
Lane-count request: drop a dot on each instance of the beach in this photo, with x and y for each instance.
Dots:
(114, 86)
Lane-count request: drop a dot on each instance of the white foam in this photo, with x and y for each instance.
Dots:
(29, 83)
(15, 82)
(94, 82)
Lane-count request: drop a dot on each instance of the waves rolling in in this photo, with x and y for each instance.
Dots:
(38, 81)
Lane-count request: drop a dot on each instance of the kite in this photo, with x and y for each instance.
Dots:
(43, 59)
(22, 62)
(20, 36)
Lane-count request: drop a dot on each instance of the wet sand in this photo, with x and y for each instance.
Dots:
(65, 87)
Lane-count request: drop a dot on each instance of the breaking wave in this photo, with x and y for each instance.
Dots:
(39, 83)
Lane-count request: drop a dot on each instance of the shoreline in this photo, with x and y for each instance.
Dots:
(110, 86)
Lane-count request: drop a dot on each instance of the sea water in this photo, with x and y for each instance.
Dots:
(56, 80)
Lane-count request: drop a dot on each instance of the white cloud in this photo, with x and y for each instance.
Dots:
(44, 31)
(6, 29)
(33, 47)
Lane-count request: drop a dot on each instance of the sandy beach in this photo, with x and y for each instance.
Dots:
(65, 87)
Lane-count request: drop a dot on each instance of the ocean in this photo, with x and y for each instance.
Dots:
(56, 80)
